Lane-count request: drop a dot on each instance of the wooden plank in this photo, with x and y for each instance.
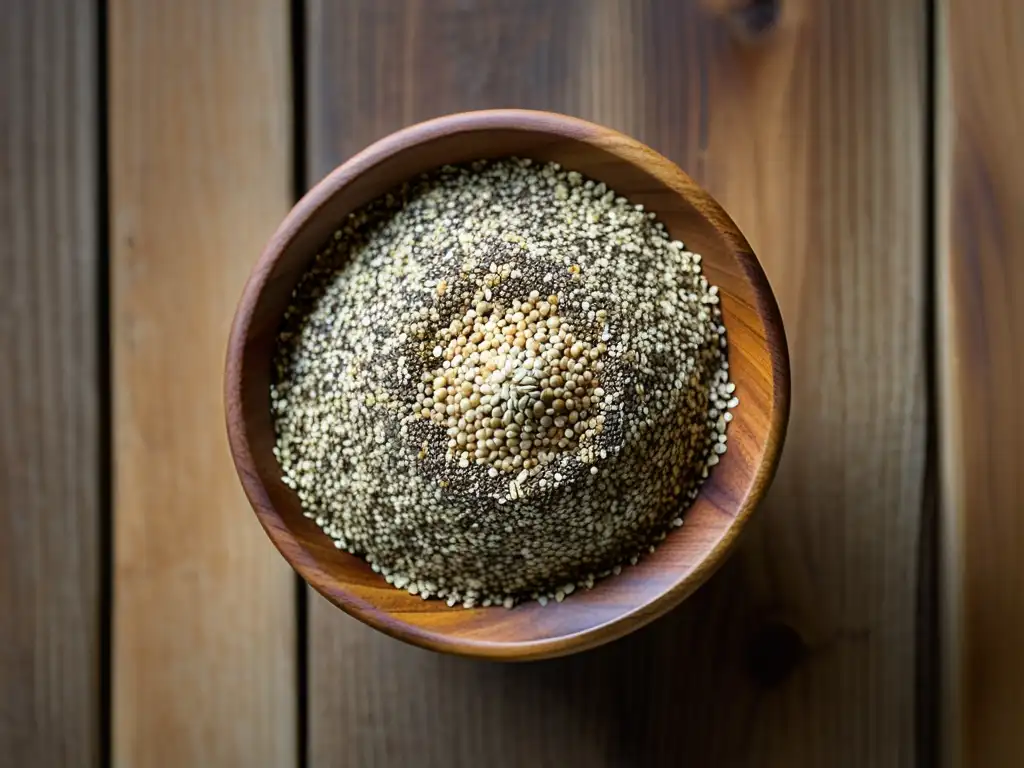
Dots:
(50, 430)
(807, 120)
(201, 167)
(980, 316)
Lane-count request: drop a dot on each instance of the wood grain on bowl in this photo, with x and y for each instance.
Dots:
(759, 367)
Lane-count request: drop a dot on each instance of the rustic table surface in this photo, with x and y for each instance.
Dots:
(874, 614)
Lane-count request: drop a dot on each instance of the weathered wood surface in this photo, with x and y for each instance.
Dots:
(204, 654)
(808, 121)
(980, 316)
(51, 461)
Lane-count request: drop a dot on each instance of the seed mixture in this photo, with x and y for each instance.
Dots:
(500, 381)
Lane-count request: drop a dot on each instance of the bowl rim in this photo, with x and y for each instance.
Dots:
(645, 611)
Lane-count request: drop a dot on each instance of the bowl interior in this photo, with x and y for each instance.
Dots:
(758, 365)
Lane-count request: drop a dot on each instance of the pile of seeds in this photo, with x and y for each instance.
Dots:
(500, 381)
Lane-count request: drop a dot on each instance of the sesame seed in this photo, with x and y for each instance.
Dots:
(490, 394)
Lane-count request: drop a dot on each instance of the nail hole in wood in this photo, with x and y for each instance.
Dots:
(756, 17)
(774, 652)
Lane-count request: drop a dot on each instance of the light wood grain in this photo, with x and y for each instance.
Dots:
(204, 629)
(980, 315)
(50, 413)
(809, 127)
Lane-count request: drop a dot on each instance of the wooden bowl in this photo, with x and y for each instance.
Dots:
(759, 366)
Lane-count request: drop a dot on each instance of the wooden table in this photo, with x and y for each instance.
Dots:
(875, 613)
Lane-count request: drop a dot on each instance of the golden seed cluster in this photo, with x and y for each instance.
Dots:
(500, 381)
(515, 387)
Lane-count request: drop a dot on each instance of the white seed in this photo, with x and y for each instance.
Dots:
(542, 352)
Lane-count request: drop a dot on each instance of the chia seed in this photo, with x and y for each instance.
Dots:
(500, 381)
